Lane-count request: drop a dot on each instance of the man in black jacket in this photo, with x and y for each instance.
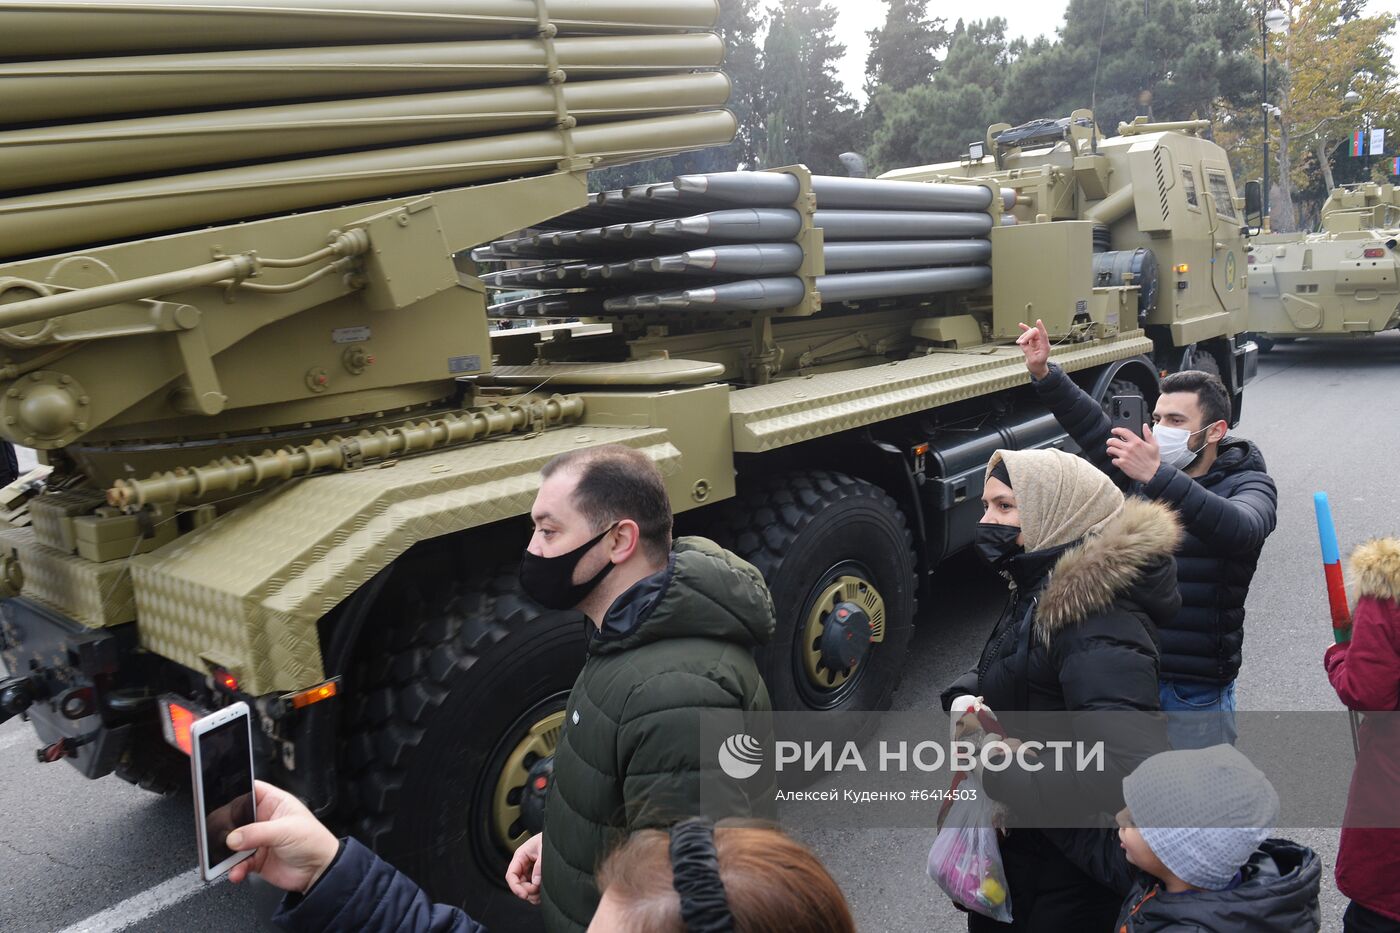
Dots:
(1226, 501)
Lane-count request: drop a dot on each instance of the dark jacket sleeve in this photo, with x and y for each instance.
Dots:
(664, 722)
(966, 684)
(1365, 671)
(1108, 668)
(1239, 521)
(362, 893)
(1082, 418)
(1098, 854)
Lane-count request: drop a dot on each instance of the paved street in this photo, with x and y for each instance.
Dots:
(1325, 417)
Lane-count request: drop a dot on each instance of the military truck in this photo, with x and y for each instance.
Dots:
(1343, 281)
(245, 292)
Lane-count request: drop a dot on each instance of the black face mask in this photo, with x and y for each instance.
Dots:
(549, 581)
(996, 544)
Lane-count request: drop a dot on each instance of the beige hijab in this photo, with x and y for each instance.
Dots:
(1061, 497)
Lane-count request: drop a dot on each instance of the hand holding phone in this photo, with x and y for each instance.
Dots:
(1129, 412)
(222, 763)
(290, 848)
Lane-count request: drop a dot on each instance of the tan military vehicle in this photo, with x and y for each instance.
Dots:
(245, 298)
(1341, 282)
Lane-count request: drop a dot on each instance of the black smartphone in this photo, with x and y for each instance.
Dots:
(222, 760)
(1128, 411)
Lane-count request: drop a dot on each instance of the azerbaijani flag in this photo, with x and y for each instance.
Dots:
(1356, 143)
(1395, 166)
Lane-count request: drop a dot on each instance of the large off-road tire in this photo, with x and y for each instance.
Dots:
(458, 695)
(822, 539)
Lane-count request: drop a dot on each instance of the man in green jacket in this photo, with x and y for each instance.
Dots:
(671, 634)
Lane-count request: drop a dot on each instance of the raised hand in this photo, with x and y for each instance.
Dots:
(1035, 344)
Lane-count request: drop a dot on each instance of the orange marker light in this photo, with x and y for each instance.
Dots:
(226, 680)
(314, 694)
(1181, 268)
(180, 721)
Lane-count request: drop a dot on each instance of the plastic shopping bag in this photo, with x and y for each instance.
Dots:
(965, 859)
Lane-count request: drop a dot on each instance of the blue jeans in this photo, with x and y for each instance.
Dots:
(1199, 715)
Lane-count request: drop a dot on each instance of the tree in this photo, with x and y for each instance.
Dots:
(1330, 48)
(738, 26)
(1166, 59)
(807, 115)
(904, 51)
(935, 122)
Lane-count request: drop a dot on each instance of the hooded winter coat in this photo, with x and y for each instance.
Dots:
(1365, 672)
(1078, 634)
(1277, 893)
(1225, 514)
(673, 652)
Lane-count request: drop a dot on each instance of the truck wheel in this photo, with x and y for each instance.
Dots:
(838, 558)
(449, 746)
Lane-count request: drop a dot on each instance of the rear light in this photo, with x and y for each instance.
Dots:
(1181, 268)
(225, 680)
(316, 694)
(176, 716)
(1374, 252)
(1251, 259)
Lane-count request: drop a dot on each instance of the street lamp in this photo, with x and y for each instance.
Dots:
(1274, 20)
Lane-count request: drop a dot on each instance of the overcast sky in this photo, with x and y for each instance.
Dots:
(1028, 18)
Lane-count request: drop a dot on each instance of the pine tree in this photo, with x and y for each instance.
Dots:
(904, 51)
(808, 116)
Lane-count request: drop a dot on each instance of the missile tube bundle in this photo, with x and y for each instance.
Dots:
(130, 118)
(730, 241)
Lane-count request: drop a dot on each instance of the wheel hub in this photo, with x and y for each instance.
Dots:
(846, 620)
(523, 784)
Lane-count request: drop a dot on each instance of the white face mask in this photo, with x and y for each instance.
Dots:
(1173, 444)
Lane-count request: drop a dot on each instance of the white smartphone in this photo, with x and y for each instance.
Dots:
(222, 762)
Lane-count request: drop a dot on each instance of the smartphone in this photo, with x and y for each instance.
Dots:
(1128, 411)
(222, 762)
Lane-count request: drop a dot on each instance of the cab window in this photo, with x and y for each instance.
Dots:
(1220, 194)
(1188, 183)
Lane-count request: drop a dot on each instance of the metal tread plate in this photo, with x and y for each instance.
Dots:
(245, 592)
(795, 410)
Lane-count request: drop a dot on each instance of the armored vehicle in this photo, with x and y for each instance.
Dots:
(1340, 282)
(246, 294)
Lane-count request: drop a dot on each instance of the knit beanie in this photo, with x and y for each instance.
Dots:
(1203, 811)
(1061, 497)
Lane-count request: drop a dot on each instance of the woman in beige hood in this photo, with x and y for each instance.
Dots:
(1091, 576)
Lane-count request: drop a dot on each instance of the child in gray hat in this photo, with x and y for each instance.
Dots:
(1193, 850)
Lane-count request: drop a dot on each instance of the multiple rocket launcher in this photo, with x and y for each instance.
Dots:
(163, 115)
(725, 242)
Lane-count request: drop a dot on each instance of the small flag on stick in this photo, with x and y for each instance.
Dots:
(1332, 569)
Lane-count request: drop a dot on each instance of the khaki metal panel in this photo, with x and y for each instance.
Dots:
(1041, 271)
(696, 422)
(246, 593)
(1156, 172)
(96, 595)
(796, 410)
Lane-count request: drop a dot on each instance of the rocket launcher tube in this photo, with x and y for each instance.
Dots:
(81, 27)
(834, 192)
(894, 254)
(47, 91)
(55, 155)
(1332, 569)
(35, 223)
(857, 286)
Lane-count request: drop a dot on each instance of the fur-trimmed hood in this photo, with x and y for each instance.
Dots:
(1375, 566)
(1131, 551)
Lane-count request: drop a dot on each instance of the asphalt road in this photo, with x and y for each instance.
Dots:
(98, 855)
